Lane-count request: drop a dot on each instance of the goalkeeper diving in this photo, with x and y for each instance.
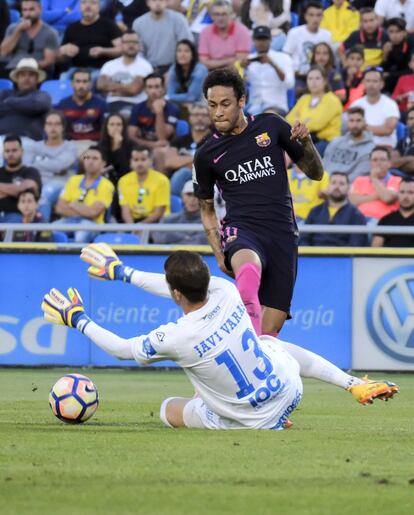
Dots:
(241, 381)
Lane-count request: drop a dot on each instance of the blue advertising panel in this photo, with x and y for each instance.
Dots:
(321, 309)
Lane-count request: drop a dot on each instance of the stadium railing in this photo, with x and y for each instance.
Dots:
(145, 230)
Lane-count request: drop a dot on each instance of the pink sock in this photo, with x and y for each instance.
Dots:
(248, 283)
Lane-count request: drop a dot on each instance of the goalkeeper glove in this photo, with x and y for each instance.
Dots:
(105, 264)
(61, 310)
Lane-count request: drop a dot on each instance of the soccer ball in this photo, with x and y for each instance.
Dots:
(74, 398)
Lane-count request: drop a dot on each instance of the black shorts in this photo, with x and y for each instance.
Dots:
(278, 255)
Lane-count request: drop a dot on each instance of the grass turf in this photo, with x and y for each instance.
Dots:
(339, 458)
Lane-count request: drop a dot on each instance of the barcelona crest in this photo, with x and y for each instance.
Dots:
(263, 139)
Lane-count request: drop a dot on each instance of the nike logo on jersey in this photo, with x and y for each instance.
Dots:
(217, 159)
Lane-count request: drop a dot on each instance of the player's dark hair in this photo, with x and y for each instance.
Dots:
(187, 272)
(356, 110)
(309, 5)
(29, 190)
(154, 76)
(341, 174)
(12, 137)
(381, 148)
(81, 70)
(226, 77)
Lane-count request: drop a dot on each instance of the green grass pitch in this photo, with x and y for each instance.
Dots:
(339, 458)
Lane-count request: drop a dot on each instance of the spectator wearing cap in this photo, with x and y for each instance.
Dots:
(189, 215)
(381, 112)
(397, 53)
(341, 18)
(226, 40)
(370, 35)
(22, 109)
(269, 75)
(387, 9)
(30, 37)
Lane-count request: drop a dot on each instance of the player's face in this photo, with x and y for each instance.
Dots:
(356, 124)
(338, 188)
(322, 56)
(313, 18)
(93, 162)
(140, 161)
(191, 203)
(54, 127)
(224, 108)
(13, 153)
(373, 83)
(89, 9)
(406, 196)
(82, 84)
(381, 162)
(27, 204)
(395, 34)
(31, 11)
(369, 23)
(130, 45)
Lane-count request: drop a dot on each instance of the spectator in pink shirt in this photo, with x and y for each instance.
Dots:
(375, 194)
(226, 40)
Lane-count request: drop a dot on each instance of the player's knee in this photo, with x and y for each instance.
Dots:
(171, 411)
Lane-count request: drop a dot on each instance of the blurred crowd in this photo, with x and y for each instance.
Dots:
(101, 108)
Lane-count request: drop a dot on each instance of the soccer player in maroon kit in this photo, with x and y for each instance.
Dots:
(258, 239)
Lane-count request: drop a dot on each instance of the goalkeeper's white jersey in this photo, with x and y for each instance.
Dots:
(238, 375)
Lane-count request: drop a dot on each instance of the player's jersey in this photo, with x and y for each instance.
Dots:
(250, 171)
(237, 375)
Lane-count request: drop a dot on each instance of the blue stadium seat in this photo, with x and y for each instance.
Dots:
(182, 128)
(291, 95)
(60, 237)
(176, 204)
(6, 84)
(401, 130)
(57, 89)
(294, 19)
(117, 238)
(14, 15)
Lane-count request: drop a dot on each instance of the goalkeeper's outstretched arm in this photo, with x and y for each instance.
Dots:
(105, 264)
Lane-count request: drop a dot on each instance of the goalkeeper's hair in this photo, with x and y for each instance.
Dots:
(187, 272)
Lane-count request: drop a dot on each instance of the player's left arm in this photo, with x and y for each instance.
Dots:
(310, 162)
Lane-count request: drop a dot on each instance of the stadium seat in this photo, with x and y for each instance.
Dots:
(57, 89)
(182, 128)
(118, 238)
(294, 19)
(14, 15)
(176, 204)
(401, 130)
(6, 84)
(291, 98)
(60, 237)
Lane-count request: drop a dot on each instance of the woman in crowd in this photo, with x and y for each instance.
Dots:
(186, 76)
(319, 109)
(323, 56)
(55, 159)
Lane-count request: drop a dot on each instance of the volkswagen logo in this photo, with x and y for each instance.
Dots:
(390, 313)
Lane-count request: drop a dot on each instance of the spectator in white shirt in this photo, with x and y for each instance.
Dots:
(269, 75)
(387, 9)
(381, 112)
(122, 79)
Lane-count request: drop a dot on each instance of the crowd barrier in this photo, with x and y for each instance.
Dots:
(355, 307)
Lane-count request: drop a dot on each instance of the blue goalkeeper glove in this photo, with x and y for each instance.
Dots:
(105, 264)
(61, 310)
